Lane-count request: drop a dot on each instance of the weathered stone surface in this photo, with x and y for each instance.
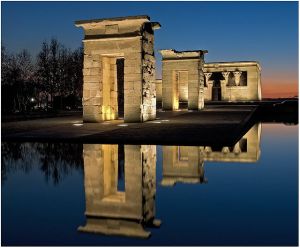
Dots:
(149, 181)
(182, 79)
(148, 69)
(106, 41)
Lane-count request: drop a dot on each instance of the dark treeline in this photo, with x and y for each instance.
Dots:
(53, 81)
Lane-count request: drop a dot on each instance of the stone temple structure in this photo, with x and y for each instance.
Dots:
(119, 69)
(119, 73)
(182, 79)
(224, 81)
(120, 189)
(232, 81)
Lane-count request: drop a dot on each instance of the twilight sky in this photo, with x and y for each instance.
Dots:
(231, 31)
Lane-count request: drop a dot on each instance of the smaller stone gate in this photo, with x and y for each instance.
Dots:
(182, 79)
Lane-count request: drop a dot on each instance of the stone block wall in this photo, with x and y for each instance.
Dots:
(106, 40)
(99, 89)
(188, 65)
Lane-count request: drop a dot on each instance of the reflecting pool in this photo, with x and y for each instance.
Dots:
(104, 194)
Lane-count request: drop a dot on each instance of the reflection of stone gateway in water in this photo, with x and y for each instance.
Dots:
(182, 164)
(185, 164)
(120, 212)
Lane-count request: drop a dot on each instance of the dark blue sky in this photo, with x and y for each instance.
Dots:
(263, 31)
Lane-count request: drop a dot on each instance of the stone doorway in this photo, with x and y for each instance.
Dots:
(216, 88)
(180, 89)
(113, 86)
(175, 90)
(183, 89)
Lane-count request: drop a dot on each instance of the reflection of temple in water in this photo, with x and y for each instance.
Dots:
(186, 163)
(120, 180)
(245, 150)
(120, 189)
(182, 164)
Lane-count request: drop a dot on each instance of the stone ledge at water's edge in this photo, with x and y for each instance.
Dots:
(216, 124)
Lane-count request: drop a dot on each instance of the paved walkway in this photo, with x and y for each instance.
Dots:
(215, 124)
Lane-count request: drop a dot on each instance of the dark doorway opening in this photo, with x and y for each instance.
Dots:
(120, 86)
(216, 88)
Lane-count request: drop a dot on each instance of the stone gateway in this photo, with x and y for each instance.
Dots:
(119, 69)
(182, 79)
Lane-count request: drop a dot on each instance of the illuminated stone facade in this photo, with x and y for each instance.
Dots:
(120, 188)
(182, 79)
(232, 81)
(119, 69)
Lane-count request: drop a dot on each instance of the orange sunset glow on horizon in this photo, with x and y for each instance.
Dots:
(279, 84)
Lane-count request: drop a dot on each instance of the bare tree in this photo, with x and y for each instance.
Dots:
(43, 72)
(56, 75)
(26, 85)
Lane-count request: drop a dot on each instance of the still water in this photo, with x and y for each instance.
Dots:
(93, 194)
